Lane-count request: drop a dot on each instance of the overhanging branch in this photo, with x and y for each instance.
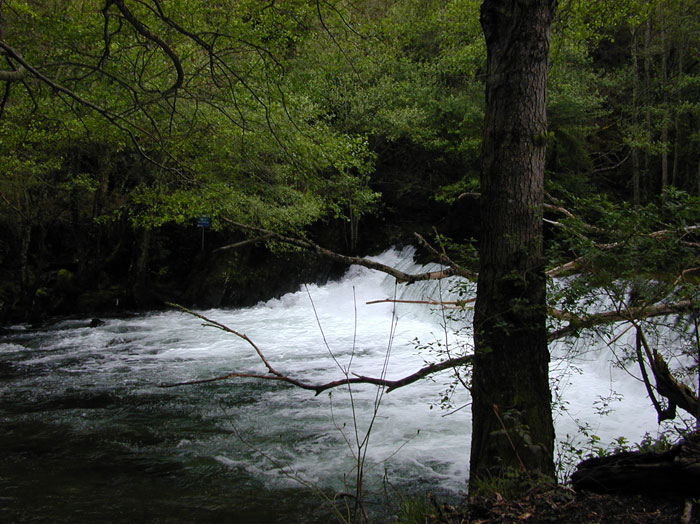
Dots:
(13, 76)
(275, 375)
(118, 121)
(400, 276)
(143, 30)
(577, 324)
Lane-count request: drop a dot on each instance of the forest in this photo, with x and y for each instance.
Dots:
(215, 154)
(357, 124)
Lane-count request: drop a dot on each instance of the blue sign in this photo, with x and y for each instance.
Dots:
(204, 221)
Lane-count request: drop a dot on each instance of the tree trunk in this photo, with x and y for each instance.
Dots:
(636, 178)
(512, 419)
(666, 111)
(676, 127)
(138, 269)
(25, 238)
(648, 132)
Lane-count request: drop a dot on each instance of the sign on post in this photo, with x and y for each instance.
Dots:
(203, 221)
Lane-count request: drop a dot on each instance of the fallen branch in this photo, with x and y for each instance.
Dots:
(677, 393)
(676, 471)
(669, 412)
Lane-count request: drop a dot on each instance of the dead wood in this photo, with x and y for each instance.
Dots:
(676, 471)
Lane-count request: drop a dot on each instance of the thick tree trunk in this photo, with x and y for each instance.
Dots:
(512, 420)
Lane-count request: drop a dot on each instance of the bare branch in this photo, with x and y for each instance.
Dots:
(143, 30)
(564, 268)
(687, 230)
(275, 375)
(429, 302)
(400, 276)
(444, 259)
(577, 324)
(613, 166)
(242, 243)
(13, 76)
(118, 121)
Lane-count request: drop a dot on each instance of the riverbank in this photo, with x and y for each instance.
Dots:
(563, 505)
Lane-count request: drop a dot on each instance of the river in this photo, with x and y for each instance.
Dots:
(89, 435)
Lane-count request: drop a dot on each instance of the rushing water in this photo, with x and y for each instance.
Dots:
(88, 434)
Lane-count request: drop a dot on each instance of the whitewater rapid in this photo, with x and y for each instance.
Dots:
(275, 433)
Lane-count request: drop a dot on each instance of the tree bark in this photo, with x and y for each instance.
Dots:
(648, 131)
(512, 420)
(666, 111)
(636, 178)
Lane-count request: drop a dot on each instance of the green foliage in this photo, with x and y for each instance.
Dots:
(239, 137)
(631, 243)
(509, 485)
(415, 510)
(407, 75)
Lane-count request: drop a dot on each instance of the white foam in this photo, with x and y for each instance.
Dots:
(298, 431)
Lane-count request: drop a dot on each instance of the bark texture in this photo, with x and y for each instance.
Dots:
(512, 421)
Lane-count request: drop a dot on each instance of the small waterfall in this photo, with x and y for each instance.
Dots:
(97, 391)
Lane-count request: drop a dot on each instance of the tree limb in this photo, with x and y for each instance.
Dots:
(143, 30)
(429, 302)
(400, 276)
(317, 388)
(118, 121)
(668, 413)
(576, 324)
(678, 394)
(242, 243)
(13, 76)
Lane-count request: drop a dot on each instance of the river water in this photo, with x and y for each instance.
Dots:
(89, 435)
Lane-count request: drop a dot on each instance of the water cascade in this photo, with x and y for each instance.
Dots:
(89, 435)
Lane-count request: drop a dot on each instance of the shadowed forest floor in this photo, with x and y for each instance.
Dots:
(561, 505)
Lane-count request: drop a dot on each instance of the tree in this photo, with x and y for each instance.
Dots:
(222, 105)
(200, 93)
(512, 419)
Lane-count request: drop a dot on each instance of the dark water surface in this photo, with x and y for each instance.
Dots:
(87, 435)
(90, 453)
